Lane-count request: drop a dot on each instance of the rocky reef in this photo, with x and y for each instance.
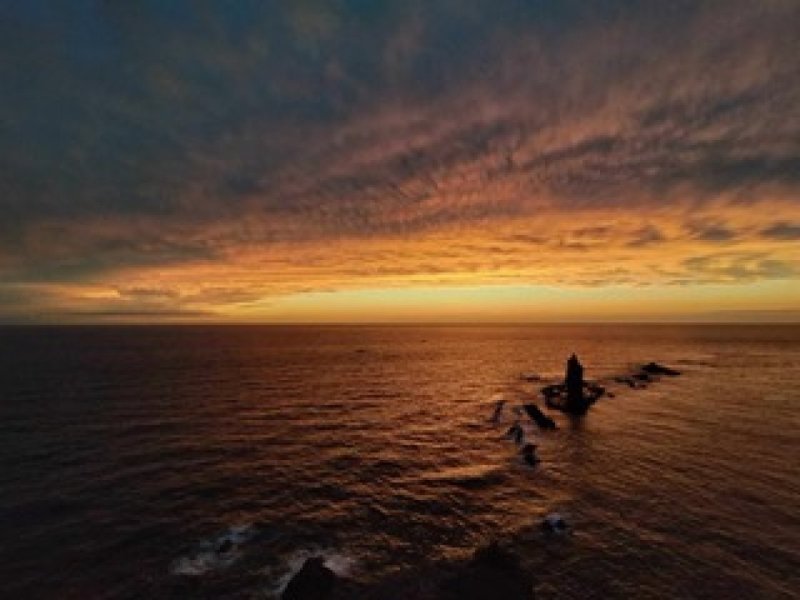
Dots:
(575, 395)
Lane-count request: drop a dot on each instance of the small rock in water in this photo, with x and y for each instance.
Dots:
(555, 523)
(516, 433)
(656, 369)
(538, 417)
(314, 581)
(529, 454)
(498, 410)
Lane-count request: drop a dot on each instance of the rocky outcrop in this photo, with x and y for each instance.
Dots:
(573, 382)
(538, 417)
(529, 454)
(491, 574)
(576, 395)
(314, 581)
(653, 368)
(555, 523)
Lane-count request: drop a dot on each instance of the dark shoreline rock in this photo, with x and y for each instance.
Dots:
(493, 573)
(314, 581)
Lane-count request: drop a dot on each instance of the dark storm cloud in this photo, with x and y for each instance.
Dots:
(152, 132)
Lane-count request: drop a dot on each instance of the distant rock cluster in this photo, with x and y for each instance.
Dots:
(572, 395)
(575, 395)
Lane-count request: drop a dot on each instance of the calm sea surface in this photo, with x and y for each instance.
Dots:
(129, 454)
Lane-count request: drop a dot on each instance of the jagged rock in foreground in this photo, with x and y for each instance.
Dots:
(491, 574)
(314, 581)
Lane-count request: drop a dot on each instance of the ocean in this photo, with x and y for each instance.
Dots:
(130, 454)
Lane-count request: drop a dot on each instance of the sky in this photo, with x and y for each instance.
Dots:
(410, 160)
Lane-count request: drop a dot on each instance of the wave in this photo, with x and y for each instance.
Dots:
(217, 552)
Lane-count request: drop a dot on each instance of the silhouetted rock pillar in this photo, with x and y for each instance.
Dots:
(574, 383)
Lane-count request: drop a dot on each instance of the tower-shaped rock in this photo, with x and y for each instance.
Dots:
(574, 383)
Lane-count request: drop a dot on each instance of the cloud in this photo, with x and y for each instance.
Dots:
(143, 141)
(739, 267)
(646, 236)
(782, 230)
(711, 232)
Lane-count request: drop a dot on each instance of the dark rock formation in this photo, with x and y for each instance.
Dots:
(529, 454)
(654, 368)
(630, 381)
(516, 433)
(498, 411)
(314, 581)
(573, 380)
(493, 573)
(538, 417)
(575, 395)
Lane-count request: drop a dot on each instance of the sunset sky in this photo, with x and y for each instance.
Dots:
(359, 160)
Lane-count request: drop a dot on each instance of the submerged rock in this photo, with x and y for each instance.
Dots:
(314, 581)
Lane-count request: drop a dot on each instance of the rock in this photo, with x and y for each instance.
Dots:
(654, 368)
(314, 581)
(516, 433)
(629, 381)
(574, 382)
(498, 411)
(538, 417)
(529, 454)
(555, 523)
(492, 574)
(553, 391)
(593, 391)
